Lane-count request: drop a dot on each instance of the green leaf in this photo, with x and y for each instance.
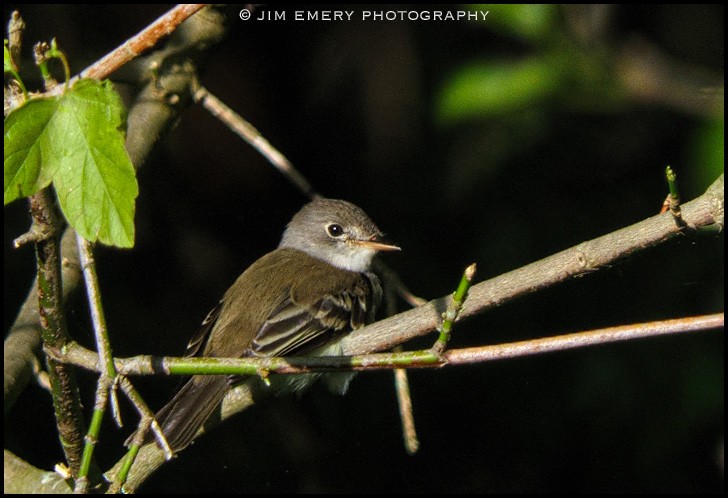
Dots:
(496, 87)
(531, 22)
(27, 136)
(7, 61)
(76, 141)
(707, 156)
(95, 180)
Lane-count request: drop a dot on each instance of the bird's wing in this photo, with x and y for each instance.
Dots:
(295, 328)
(197, 342)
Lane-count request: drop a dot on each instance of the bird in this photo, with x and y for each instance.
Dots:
(300, 299)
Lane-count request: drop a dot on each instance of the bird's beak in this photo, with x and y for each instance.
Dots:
(377, 244)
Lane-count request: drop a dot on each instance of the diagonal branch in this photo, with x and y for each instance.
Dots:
(579, 260)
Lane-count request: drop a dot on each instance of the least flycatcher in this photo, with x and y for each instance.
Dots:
(300, 299)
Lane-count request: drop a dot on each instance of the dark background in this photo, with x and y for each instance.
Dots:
(364, 110)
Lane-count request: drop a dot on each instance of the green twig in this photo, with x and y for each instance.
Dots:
(45, 52)
(123, 474)
(147, 416)
(76, 354)
(92, 437)
(453, 309)
(672, 202)
(109, 375)
(88, 266)
(54, 53)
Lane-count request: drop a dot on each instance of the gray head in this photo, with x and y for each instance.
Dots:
(337, 232)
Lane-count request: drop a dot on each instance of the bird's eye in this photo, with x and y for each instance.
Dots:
(335, 230)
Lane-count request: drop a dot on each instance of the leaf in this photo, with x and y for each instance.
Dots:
(95, 181)
(707, 158)
(27, 136)
(76, 141)
(495, 88)
(531, 22)
(7, 60)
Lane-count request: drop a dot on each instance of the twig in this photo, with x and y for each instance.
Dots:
(247, 132)
(584, 339)
(672, 201)
(147, 417)
(453, 309)
(404, 401)
(16, 26)
(98, 320)
(108, 374)
(148, 365)
(142, 41)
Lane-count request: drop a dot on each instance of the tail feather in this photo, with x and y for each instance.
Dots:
(193, 404)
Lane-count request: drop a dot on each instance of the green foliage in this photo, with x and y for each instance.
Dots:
(7, 60)
(9, 67)
(492, 88)
(76, 141)
(531, 22)
(708, 154)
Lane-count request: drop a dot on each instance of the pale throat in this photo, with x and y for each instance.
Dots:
(344, 255)
(357, 259)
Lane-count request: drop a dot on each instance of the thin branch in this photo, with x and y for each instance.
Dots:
(98, 320)
(250, 134)
(583, 339)
(404, 402)
(144, 40)
(77, 355)
(108, 374)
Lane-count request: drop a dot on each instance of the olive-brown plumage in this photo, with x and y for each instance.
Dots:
(299, 299)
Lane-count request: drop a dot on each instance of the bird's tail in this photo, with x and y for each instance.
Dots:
(193, 404)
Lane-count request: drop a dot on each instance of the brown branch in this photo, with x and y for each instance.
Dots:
(579, 260)
(144, 40)
(583, 339)
(66, 399)
(20, 476)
